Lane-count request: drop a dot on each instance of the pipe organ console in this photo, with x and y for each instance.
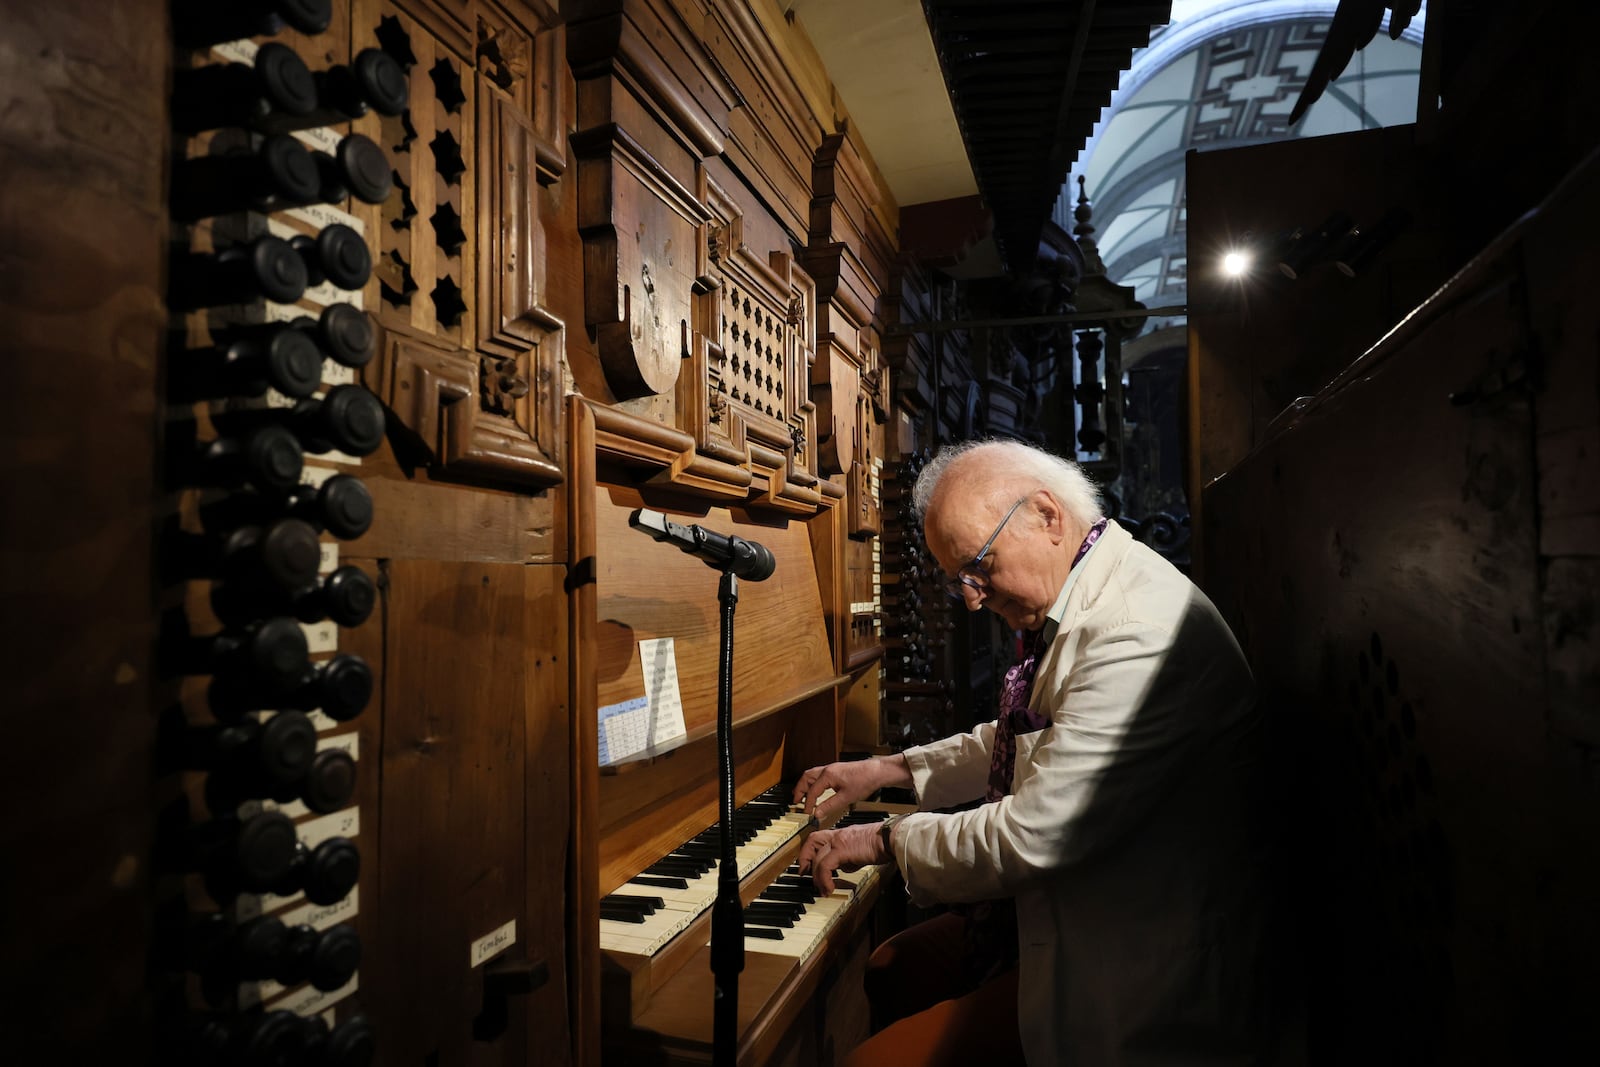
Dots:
(446, 290)
(359, 726)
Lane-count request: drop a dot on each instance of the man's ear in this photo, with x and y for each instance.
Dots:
(1051, 513)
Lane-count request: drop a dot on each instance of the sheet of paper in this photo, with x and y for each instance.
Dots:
(660, 662)
(631, 727)
(624, 730)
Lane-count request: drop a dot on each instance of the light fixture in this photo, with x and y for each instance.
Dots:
(1363, 243)
(1235, 263)
(1302, 249)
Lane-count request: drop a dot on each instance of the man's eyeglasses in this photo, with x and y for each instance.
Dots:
(974, 574)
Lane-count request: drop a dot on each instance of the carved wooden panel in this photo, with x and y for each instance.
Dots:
(743, 395)
(864, 517)
(847, 256)
(680, 303)
(641, 228)
(471, 363)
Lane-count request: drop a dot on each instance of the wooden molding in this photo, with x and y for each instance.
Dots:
(437, 396)
(650, 47)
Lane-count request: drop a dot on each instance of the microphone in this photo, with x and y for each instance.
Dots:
(725, 552)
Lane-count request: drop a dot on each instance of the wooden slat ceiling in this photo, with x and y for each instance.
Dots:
(1028, 80)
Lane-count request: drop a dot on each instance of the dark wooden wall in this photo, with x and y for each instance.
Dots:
(81, 245)
(1397, 518)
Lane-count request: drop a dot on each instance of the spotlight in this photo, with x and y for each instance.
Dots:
(1235, 263)
(1363, 243)
(1303, 249)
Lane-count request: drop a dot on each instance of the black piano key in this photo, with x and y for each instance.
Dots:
(622, 915)
(768, 920)
(768, 932)
(676, 869)
(659, 882)
(788, 892)
(650, 903)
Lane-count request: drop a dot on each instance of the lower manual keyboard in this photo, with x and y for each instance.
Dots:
(792, 917)
(659, 903)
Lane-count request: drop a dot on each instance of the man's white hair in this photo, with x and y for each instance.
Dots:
(1020, 462)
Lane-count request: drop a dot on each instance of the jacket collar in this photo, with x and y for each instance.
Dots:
(1087, 579)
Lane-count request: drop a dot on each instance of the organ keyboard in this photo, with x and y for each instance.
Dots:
(655, 935)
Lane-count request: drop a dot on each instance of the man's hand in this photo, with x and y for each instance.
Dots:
(850, 780)
(848, 849)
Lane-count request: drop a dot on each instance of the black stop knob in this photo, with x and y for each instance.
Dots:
(268, 658)
(277, 1040)
(337, 255)
(247, 363)
(288, 746)
(257, 945)
(331, 781)
(374, 80)
(329, 871)
(345, 334)
(265, 850)
(327, 959)
(272, 653)
(200, 23)
(277, 91)
(253, 757)
(341, 689)
(347, 597)
(352, 1043)
(341, 505)
(284, 555)
(253, 854)
(280, 173)
(337, 958)
(280, 359)
(266, 268)
(345, 506)
(357, 167)
(348, 418)
(267, 457)
(271, 459)
(383, 83)
(291, 363)
(316, 1040)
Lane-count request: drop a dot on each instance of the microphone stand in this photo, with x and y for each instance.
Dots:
(727, 914)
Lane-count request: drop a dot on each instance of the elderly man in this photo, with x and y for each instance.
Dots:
(1106, 871)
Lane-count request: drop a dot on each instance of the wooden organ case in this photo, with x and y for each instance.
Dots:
(623, 254)
(730, 297)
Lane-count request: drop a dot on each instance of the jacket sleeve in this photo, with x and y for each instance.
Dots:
(1124, 721)
(952, 771)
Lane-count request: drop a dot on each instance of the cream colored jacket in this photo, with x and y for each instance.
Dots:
(1131, 840)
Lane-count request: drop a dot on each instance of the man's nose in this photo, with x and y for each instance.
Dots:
(973, 597)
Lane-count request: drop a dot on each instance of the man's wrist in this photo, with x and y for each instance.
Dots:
(886, 835)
